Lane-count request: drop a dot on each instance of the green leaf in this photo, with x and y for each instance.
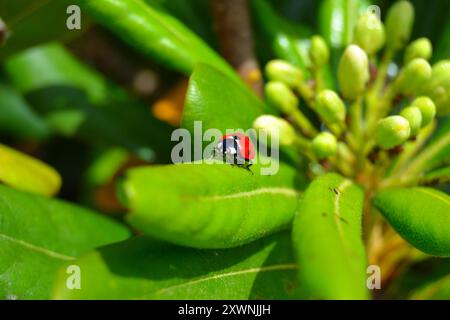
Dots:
(210, 205)
(26, 173)
(438, 290)
(156, 34)
(195, 14)
(420, 215)
(142, 268)
(31, 22)
(56, 66)
(38, 235)
(337, 19)
(442, 48)
(438, 176)
(75, 100)
(327, 239)
(289, 41)
(17, 118)
(419, 278)
(439, 145)
(219, 102)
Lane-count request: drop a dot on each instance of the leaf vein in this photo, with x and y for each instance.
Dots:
(33, 247)
(289, 266)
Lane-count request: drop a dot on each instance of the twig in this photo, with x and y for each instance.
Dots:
(233, 28)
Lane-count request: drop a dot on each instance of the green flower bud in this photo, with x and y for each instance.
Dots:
(277, 128)
(399, 23)
(420, 48)
(414, 117)
(330, 107)
(369, 33)
(413, 76)
(280, 70)
(392, 131)
(280, 96)
(438, 88)
(319, 52)
(427, 109)
(324, 145)
(353, 72)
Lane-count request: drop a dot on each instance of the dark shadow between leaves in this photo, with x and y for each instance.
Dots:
(147, 258)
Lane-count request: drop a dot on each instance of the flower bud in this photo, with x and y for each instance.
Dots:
(324, 145)
(420, 48)
(330, 107)
(399, 23)
(280, 70)
(427, 109)
(276, 128)
(319, 52)
(391, 131)
(438, 88)
(413, 76)
(369, 33)
(353, 72)
(414, 117)
(280, 96)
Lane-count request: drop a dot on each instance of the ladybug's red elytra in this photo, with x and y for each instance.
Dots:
(237, 149)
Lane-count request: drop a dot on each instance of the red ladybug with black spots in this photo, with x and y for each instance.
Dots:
(236, 149)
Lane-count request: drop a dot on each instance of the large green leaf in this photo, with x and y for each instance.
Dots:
(38, 235)
(327, 239)
(438, 290)
(195, 14)
(17, 119)
(75, 100)
(219, 102)
(35, 21)
(26, 173)
(142, 268)
(155, 33)
(289, 41)
(337, 19)
(210, 205)
(420, 215)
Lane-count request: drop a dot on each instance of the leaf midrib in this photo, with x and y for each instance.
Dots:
(432, 194)
(36, 248)
(277, 267)
(288, 192)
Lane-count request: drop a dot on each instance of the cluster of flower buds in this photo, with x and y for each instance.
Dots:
(370, 111)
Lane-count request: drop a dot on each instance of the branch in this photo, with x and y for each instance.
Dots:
(233, 28)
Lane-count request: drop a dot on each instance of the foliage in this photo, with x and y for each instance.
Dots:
(363, 170)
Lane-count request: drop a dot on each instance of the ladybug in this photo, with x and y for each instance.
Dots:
(236, 149)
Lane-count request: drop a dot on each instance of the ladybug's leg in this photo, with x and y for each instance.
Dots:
(247, 167)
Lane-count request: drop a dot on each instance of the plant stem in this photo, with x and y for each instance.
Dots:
(377, 87)
(303, 123)
(413, 171)
(412, 149)
(233, 28)
(318, 80)
(307, 94)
